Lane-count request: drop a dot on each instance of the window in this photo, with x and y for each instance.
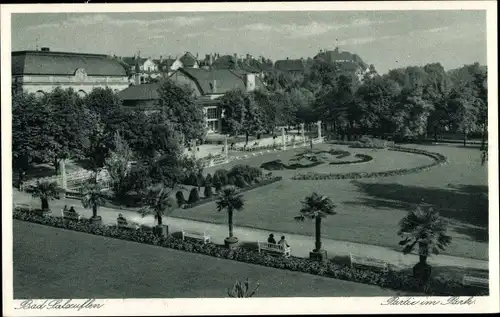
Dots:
(212, 126)
(212, 113)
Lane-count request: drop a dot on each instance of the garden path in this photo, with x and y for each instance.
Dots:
(301, 245)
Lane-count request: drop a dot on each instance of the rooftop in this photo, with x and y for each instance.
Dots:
(64, 63)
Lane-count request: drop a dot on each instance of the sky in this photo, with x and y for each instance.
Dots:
(386, 39)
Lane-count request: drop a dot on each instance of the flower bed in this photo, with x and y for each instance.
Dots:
(366, 143)
(363, 159)
(260, 183)
(438, 159)
(394, 280)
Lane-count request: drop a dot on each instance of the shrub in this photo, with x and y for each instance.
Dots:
(194, 196)
(217, 183)
(240, 181)
(230, 181)
(200, 180)
(209, 180)
(222, 176)
(208, 191)
(179, 196)
(192, 180)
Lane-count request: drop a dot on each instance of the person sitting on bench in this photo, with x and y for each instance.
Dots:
(72, 209)
(271, 239)
(283, 242)
(121, 218)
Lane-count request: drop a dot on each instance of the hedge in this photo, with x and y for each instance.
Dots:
(438, 160)
(260, 183)
(394, 280)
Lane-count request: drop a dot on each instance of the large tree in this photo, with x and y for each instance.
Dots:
(72, 124)
(31, 140)
(178, 107)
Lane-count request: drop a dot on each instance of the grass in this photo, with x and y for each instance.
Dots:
(57, 263)
(369, 210)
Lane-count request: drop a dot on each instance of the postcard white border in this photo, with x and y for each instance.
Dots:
(272, 306)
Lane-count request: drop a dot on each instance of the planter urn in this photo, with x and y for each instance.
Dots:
(230, 242)
(320, 256)
(96, 220)
(161, 230)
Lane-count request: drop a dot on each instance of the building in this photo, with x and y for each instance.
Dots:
(141, 69)
(348, 63)
(291, 66)
(187, 60)
(42, 71)
(208, 85)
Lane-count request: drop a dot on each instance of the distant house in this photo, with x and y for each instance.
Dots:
(207, 86)
(141, 68)
(41, 71)
(291, 66)
(165, 65)
(187, 60)
(348, 63)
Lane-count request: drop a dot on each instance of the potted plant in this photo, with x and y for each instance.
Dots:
(427, 230)
(92, 198)
(45, 191)
(231, 201)
(157, 203)
(316, 207)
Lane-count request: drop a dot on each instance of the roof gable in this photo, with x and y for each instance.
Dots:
(288, 65)
(188, 60)
(61, 63)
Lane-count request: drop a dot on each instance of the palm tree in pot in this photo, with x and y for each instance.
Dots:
(158, 203)
(316, 207)
(427, 230)
(230, 200)
(93, 198)
(45, 191)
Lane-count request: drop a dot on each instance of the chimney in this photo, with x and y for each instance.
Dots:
(213, 86)
(45, 49)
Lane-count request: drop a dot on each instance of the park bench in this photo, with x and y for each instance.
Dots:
(20, 206)
(362, 261)
(275, 248)
(195, 235)
(476, 281)
(68, 215)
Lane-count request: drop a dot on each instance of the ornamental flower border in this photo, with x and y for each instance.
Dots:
(439, 159)
(394, 280)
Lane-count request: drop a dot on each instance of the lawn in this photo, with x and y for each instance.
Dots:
(369, 209)
(57, 263)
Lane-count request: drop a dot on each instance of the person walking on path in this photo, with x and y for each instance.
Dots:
(484, 157)
(271, 239)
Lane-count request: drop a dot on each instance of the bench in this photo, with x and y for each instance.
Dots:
(195, 235)
(276, 248)
(68, 215)
(355, 260)
(124, 224)
(475, 281)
